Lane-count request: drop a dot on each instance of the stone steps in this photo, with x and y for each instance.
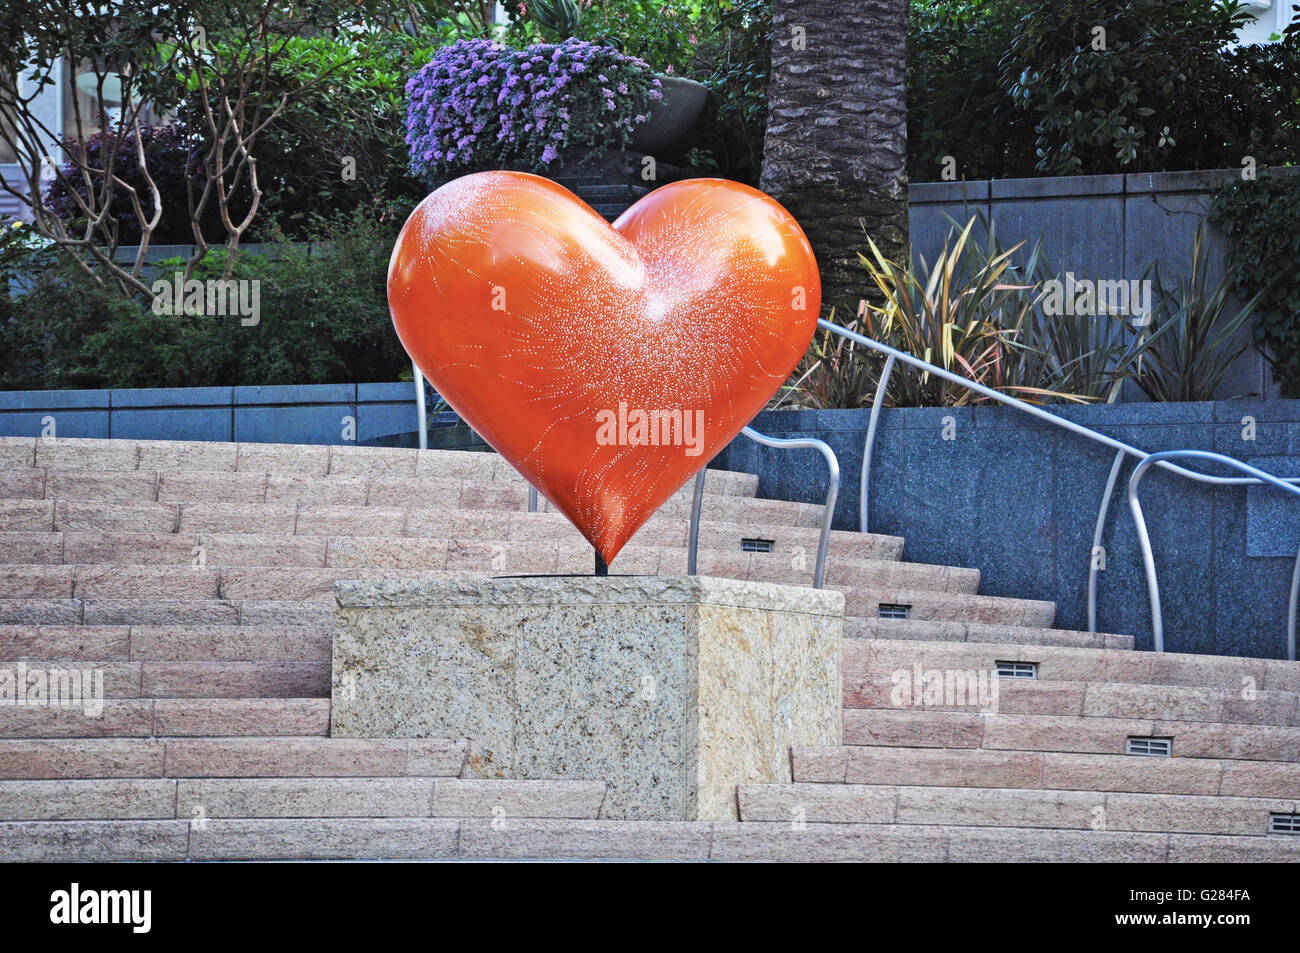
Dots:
(197, 643)
(151, 717)
(198, 799)
(34, 565)
(917, 728)
(1019, 696)
(1010, 807)
(261, 757)
(198, 679)
(494, 485)
(522, 838)
(1058, 663)
(1047, 770)
(213, 740)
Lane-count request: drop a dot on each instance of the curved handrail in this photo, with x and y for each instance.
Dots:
(1291, 608)
(1104, 508)
(828, 514)
(420, 409)
(1097, 533)
(1144, 539)
(864, 483)
(1122, 449)
(693, 545)
(1032, 409)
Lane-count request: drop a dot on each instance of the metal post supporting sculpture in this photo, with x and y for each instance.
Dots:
(606, 364)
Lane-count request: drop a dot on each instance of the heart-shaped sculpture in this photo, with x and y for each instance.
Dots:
(606, 364)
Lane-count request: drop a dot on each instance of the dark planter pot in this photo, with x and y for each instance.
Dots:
(671, 117)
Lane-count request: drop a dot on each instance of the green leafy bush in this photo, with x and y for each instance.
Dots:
(956, 104)
(1118, 86)
(338, 145)
(733, 59)
(323, 319)
(664, 33)
(1262, 221)
(1020, 87)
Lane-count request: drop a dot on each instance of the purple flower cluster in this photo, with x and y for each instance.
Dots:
(478, 104)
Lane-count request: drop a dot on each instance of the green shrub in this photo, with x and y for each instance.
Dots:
(323, 319)
(956, 105)
(1262, 221)
(52, 311)
(1021, 87)
(345, 119)
(733, 60)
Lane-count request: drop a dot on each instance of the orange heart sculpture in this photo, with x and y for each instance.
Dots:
(606, 364)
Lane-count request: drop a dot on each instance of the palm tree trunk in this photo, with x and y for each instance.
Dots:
(835, 152)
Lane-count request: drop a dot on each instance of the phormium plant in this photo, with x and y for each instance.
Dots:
(479, 105)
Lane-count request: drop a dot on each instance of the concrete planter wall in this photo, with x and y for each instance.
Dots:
(1018, 499)
(309, 413)
(1096, 226)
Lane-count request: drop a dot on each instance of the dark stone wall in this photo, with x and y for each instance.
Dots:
(303, 413)
(1097, 227)
(1017, 498)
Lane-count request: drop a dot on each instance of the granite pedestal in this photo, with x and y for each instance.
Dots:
(671, 689)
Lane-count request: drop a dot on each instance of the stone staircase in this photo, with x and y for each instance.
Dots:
(197, 581)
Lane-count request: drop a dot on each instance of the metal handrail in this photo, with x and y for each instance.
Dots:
(1097, 533)
(420, 409)
(1122, 449)
(1032, 409)
(1104, 508)
(864, 484)
(1144, 540)
(828, 514)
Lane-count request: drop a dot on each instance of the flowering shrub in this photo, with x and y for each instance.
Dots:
(479, 105)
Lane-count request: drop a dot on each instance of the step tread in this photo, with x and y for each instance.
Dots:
(175, 717)
(1010, 807)
(905, 727)
(293, 756)
(1045, 770)
(490, 484)
(961, 631)
(1091, 699)
(1076, 663)
(200, 799)
(523, 838)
